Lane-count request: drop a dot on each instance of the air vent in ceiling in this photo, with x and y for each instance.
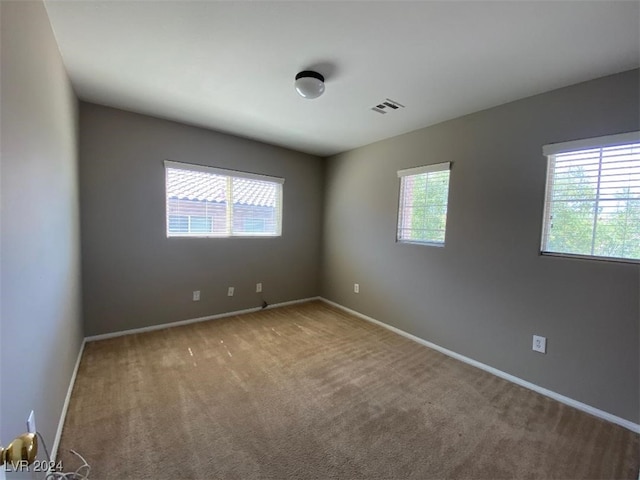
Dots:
(387, 105)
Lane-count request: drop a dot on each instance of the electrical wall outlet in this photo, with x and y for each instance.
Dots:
(258, 287)
(230, 292)
(356, 288)
(31, 422)
(540, 344)
(196, 295)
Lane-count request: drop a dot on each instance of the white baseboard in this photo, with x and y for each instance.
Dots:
(292, 302)
(63, 415)
(104, 336)
(634, 427)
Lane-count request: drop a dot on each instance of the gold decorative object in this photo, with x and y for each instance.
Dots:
(24, 447)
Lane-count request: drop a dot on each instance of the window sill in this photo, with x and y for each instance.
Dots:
(223, 236)
(591, 257)
(424, 244)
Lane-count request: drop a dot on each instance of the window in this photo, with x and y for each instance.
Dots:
(190, 224)
(212, 202)
(178, 223)
(592, 206)
(422, 216)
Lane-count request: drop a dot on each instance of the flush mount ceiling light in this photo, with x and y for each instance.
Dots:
(309, 84)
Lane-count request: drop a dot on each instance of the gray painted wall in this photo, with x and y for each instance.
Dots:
(488, 290)
(133, 275)
(41, 325)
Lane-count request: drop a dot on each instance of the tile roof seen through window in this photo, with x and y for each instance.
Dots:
(203, 186)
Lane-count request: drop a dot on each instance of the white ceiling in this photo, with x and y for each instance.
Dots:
(230, 66)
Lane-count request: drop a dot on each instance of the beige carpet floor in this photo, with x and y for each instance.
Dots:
(310, 392)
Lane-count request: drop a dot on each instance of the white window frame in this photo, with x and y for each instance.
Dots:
(551, 151)
(409, 172)
(230, 175)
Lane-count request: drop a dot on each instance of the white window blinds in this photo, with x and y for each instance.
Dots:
(592, 206)
(424, 193)
(212, 202)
